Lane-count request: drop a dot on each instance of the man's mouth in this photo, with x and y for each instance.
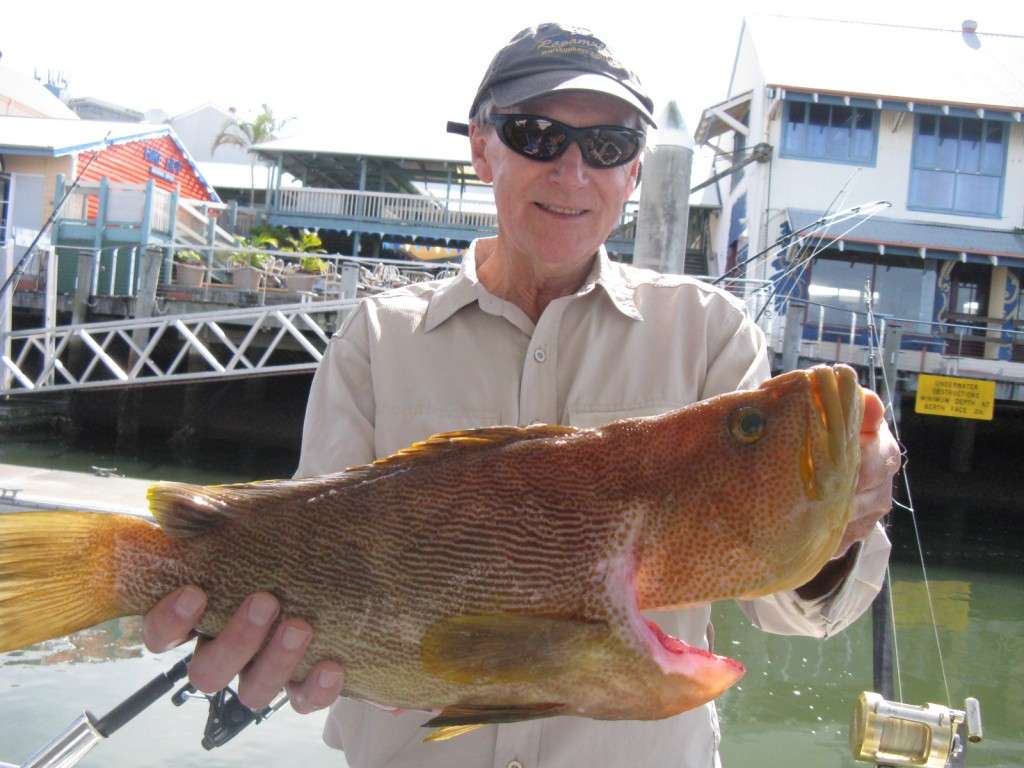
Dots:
(560, 211)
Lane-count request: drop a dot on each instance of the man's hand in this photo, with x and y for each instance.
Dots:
(242, 648)
(879, 463)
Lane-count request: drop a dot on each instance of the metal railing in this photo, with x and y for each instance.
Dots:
(925, 345)
(172, 348)
(381, 207)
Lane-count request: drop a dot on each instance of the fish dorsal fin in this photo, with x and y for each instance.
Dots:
(185, 510)
(445, 444)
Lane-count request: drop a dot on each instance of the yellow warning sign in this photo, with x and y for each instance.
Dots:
(949, 396)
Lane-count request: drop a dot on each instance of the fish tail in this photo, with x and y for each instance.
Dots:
(57, 573)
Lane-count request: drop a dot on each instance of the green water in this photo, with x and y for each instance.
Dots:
(791, 709)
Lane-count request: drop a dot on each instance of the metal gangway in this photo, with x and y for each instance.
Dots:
(203, 346)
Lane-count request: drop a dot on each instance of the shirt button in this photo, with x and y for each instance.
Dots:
(540, 356)
(514, 764)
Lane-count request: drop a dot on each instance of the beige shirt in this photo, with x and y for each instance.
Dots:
(448, 355)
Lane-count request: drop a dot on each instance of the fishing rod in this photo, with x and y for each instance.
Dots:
(19, 268)
(226, 718)
(891, 732)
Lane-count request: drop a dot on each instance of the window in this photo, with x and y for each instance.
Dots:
(831, 133)
(958, 165)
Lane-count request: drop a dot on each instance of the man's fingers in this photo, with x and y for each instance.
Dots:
(216, 663)
(879, 458)
(170, 621)
(321, 687)
(266, 676)
(874, 412)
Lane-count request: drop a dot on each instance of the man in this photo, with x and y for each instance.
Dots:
(539, 326)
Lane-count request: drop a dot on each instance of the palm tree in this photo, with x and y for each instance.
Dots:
(244, 134)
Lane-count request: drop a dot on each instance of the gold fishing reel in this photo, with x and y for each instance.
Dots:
(894, 733)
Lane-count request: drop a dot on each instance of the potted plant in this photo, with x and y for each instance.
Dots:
(189, 269)
(249, 270)
(310, 269)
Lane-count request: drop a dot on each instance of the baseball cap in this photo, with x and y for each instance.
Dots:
(551, 57)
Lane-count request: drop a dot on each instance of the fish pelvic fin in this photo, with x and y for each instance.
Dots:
(58, 573)
(457, 720)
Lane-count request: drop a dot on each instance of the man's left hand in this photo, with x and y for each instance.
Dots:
(879, 463)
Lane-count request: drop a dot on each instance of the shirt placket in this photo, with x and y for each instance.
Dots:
(538, 392)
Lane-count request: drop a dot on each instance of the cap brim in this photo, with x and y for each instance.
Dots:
(523, 89)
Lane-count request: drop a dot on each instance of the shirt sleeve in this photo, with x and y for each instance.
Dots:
(338, 427)
(786, 613)
(743, 363)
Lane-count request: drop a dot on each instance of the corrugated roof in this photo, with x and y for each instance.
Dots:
(239, 176)
(881, 60)
(52, 137)
(901, 233)
(30, 94)
(421, 142)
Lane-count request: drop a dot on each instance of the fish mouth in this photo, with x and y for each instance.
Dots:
(837, 401)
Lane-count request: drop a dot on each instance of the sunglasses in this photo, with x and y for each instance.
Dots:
(541, 138)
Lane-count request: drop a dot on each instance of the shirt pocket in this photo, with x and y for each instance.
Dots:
(399, 427)
(587, 417)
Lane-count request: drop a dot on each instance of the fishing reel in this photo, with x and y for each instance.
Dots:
(227, 715)
(930, 736)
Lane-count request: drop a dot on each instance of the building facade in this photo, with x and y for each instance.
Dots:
(841, 121)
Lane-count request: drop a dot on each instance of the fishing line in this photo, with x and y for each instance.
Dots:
(909, 506)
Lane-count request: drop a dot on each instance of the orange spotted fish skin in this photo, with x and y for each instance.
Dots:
(499, 574)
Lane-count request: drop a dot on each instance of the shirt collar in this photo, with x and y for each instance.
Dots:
(466, 288)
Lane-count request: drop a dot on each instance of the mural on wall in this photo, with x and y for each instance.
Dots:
(1011, 300)
(943, 287)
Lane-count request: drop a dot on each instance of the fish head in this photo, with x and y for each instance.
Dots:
(764, 486)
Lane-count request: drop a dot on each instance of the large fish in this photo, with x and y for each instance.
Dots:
(496, 574)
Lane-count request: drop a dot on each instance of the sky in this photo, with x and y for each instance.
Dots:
(394, 67)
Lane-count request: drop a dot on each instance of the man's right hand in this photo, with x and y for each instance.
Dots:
(264, 666)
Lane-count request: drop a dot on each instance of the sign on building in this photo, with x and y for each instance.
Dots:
(950, 396)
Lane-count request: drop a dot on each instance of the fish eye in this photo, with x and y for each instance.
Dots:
(747, 424)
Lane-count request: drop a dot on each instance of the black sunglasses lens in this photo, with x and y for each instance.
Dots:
(541, 139)
(608, 147)
(535, 138)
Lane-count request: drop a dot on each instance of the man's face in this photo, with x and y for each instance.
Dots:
(556, 214)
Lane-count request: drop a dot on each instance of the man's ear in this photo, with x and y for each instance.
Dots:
(478, 138)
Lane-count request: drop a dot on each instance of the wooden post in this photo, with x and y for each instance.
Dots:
(6, 309)
(50, 312)
(791, 337)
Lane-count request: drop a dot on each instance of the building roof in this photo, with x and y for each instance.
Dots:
(240, 176)
(369, 141)
(18, 90)
(923, 239)
(89, 101)
(396, 159)
(51, 137)
(941, 66)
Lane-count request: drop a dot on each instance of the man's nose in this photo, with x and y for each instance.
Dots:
(569, 167)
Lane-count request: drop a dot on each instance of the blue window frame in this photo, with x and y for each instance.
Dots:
(958, 165)
(829, 132)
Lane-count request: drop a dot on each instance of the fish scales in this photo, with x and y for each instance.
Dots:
(505, 568)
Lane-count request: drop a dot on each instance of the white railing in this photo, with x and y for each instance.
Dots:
(381, 207)
(173, 348)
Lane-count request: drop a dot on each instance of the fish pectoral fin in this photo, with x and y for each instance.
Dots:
(508, 648)
(456, 720)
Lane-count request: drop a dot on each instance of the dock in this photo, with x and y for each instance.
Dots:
(27, 488)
